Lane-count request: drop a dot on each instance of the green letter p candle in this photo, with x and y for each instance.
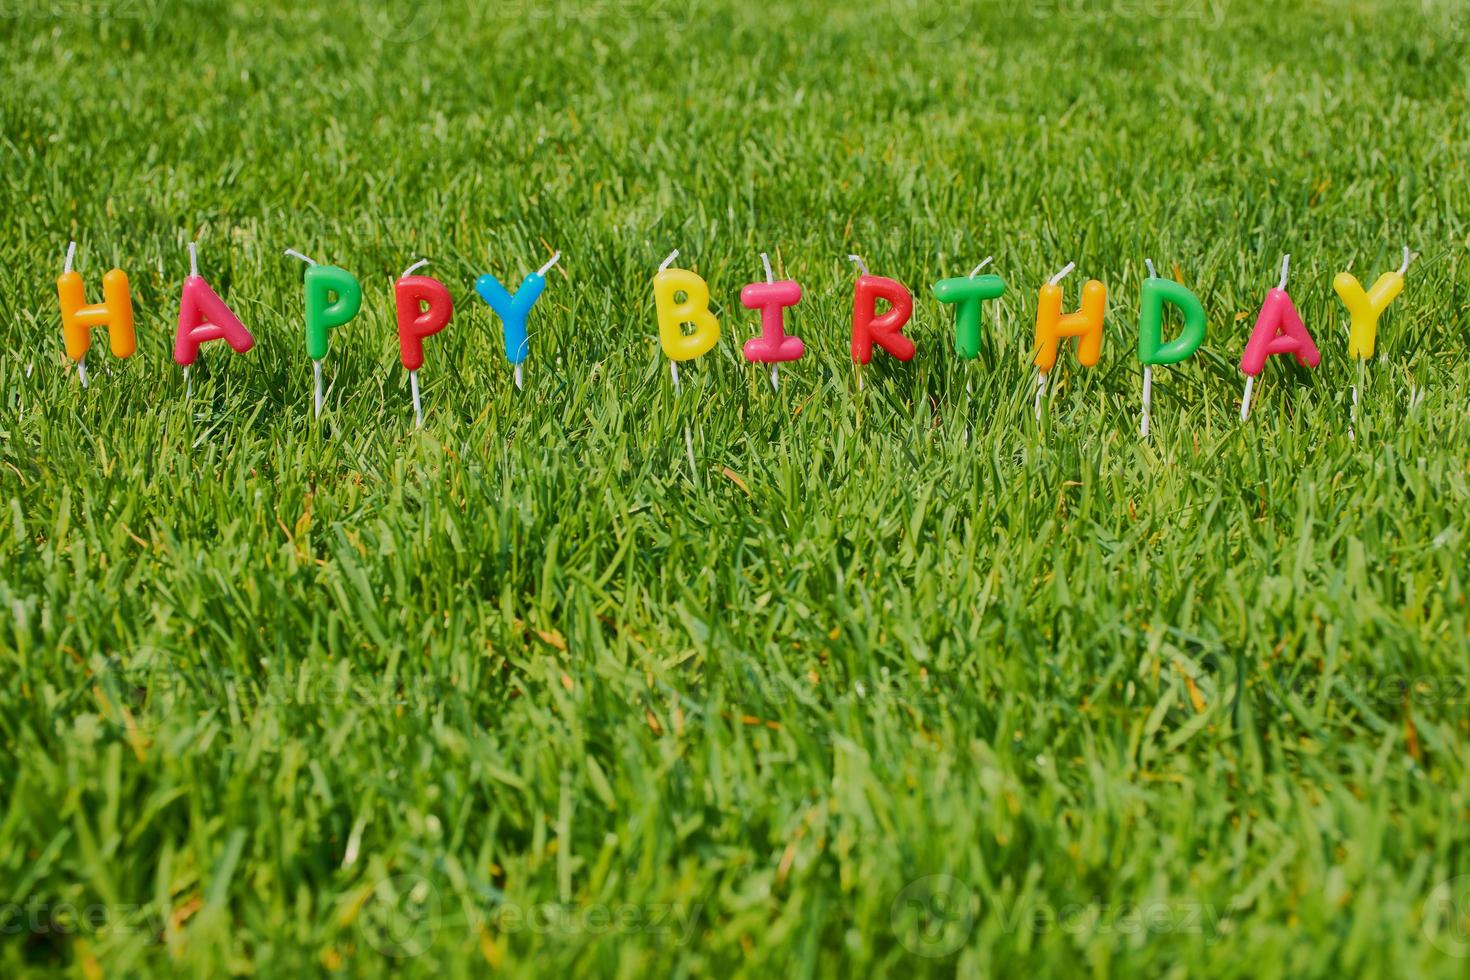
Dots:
(333, 297)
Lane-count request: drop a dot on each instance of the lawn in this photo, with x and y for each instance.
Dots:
(891, 678)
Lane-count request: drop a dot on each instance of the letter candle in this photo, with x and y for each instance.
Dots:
(967, 295)
(203, 317)
(424, 307)
(333, 297)
(673, 314)
(869, 327)
(1052, 325)
(1151, 346)
(1365, 308)
(1278, 330)
(78, 320)
(515, 310)
(773, 345)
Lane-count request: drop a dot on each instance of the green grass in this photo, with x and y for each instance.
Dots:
(285, 697)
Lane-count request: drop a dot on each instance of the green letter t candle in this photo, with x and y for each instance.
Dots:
(968, 293)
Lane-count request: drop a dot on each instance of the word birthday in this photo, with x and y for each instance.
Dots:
(688, 328)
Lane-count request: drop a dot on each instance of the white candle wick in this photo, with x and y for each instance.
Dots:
(860, 263)
(1150, 264)
(983, 263)
(555, 258)
(1408, 257)
(193, 260)
(297, 255)
(410, 270)
(766, 261)
(668, 261)
(1066, 271)
(71, 254)
(1285, 268)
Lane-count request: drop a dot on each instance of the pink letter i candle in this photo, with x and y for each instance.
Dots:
(774, 346)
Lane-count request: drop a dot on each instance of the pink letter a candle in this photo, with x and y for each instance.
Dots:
(203, 317)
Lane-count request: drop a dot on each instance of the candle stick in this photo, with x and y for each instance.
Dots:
(1278, 330)
(193, 272)
(515, 310)
(78, 320)
(967, 295)
(1365, 308)
(203, 317)
(672, 314)
(863, 266)
(71, 254)
(333, 297)
(424, 307)
(869, 327)
(1152, 350)
(774, 345)
(1052, 325)
(775, 368)
(1148, 370)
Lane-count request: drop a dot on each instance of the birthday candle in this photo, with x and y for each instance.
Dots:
(515, 310)
(1052, 325)
(78, 320)
(203, 317)
(1365, 308)
(886, 329)
(424, 308)
(1278, 330)
(333, 297)
(967, 295)
(1152, 350)
(673, 314)
(774, 346)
